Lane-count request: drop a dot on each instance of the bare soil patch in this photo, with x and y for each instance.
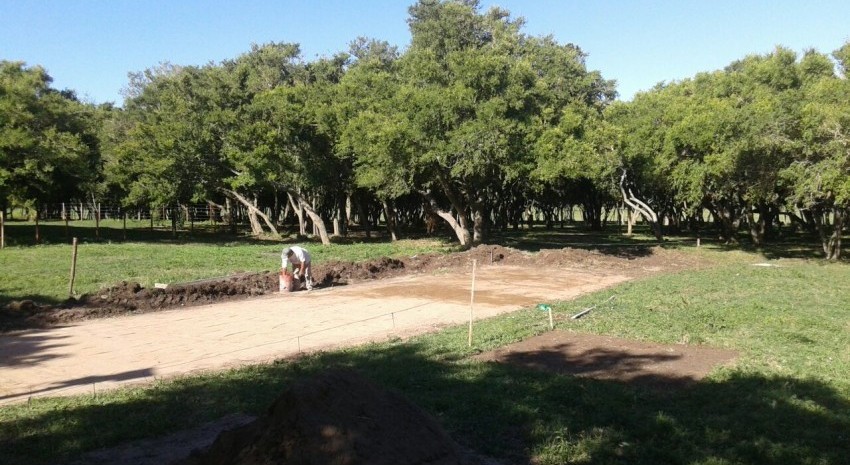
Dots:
(613, 359)
(131, 297)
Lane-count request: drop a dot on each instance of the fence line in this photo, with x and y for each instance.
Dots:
(77, 211)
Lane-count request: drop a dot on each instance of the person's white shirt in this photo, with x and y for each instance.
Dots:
(299, 256)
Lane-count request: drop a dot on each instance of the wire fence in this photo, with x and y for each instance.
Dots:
(198, 213)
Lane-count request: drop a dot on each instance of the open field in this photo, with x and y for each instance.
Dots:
(785, 398)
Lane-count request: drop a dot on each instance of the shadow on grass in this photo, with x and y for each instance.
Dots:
(9, 315)
(577, 237)
(512, 414)
(611, 241)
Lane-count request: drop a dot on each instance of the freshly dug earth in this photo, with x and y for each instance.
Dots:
(338, 417)
(131, 297)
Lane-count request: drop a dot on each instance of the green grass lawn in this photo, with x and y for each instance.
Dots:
(42, 273)
(786, 400)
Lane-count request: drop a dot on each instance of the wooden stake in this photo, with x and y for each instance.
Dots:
(471, 303)
(551, 323)
(73, 269)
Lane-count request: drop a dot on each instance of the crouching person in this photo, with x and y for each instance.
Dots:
(299, 258)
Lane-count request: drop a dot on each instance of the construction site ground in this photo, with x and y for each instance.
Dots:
(90, 348)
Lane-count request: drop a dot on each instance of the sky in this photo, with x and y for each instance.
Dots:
(90, 46)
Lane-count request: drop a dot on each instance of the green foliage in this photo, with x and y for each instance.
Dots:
(743, 143)
(48, 150)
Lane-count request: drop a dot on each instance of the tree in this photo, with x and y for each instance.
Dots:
(47, 146)
(467, 98)
(820, 175)
(168, 156)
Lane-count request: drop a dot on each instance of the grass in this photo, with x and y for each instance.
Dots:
(785, 401)
(42, 273)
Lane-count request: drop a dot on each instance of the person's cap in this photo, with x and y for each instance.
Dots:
(289, 252)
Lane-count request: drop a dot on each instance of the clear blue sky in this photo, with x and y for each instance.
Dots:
(90, 45)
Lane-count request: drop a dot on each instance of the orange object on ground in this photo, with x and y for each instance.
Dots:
(288, 283)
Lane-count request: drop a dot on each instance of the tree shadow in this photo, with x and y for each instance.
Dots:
(28, 348)
(57, 388)
(510, 413)
(606, 243)
(24, 309)
(606, 364)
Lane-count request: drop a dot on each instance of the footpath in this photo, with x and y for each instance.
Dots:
(97, 355)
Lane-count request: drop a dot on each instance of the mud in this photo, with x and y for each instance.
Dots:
(131, 297)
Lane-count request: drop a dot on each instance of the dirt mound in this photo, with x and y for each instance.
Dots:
(336, 272)
(335, 418)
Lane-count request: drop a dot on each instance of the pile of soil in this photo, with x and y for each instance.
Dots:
(131, 297)
(338, 417)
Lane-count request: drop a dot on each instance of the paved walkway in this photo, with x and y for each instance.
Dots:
(96, 355)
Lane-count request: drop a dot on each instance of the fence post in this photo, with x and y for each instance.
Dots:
(73, 268)
(471, 303)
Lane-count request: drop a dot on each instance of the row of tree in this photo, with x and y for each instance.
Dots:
(475, 123)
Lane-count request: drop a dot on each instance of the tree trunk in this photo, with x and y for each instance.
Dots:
(461, 224)
(37, 230)
(479, 226)
(724, 216)
(253, 218)
(831, 241)
(225, 211)
(299, 213)
(65, 220)
(363, 213)
(641, 207)
(462, 233)
(285, 214)
(389, 212)
(253, 213)
(96, 218)
(318, 222)
(756, 227)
